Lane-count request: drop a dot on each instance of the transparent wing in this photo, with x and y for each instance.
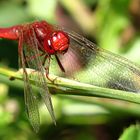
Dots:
(30, 98)
(34, 61)
(88, 63)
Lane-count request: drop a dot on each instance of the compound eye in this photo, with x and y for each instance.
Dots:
(60, 41)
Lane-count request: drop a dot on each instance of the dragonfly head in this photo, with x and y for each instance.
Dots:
(57, 42)
(60, 41)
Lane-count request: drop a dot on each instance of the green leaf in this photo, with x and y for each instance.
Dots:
(131, 133)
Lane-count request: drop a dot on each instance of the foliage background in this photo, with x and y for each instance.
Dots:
(114, 25)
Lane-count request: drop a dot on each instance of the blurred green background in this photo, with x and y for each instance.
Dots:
(113, 25)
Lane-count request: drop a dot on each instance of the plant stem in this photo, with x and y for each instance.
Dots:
(76, 88)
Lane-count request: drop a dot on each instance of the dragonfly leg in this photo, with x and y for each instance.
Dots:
(59, 63)
(47, 57)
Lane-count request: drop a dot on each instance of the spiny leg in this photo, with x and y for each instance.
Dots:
(59, 63)
(47, 57)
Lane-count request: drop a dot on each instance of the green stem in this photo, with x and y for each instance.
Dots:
(72, 87)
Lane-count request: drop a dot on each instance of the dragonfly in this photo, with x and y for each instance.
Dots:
(41, 43)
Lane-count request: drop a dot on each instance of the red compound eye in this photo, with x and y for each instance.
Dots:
(60, 41)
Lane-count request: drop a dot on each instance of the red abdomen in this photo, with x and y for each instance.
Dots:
(10, 33)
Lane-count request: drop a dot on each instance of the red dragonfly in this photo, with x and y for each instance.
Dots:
(40, 42)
